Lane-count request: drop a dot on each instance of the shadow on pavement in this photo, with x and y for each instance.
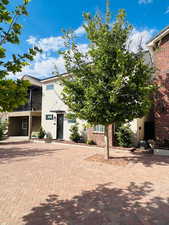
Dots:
(17, 151)
(103, 206)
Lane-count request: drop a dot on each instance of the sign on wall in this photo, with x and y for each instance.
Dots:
(49, 117)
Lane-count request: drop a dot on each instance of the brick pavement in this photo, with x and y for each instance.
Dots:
(49, 184)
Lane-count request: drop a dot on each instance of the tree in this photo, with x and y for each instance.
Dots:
(12, 93)
(109, 83)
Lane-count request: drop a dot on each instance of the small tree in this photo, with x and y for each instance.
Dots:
(110, 83)
(13, 93)
(124, 135)
(3, 129)
(41, 133)
(74, 136)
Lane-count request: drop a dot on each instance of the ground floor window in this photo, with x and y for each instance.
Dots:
(99, 128)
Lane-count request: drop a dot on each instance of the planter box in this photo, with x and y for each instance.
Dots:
(163, 152)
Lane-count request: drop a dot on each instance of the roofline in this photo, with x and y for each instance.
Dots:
(26, 75)
(160, 35)
(48, 79)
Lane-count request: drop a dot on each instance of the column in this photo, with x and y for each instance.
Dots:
(30, 126)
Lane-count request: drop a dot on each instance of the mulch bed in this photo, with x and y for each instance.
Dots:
(112, 161)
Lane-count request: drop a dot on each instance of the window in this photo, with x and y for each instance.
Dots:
(71, 120)
(49, 86)
(24, 124)
(99, 128)
(49, 117)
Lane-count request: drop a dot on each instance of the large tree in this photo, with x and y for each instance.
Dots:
(13, 93)
(109, 83)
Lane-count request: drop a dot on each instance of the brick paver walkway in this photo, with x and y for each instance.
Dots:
(49, 184)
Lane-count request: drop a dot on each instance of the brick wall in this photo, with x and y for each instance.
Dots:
(98, 138)
(161, 114)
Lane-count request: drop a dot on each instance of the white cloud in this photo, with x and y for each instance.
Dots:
(80, 31)
(167, 10)
(139, 37)
(145, 1)
(47, 44)
(32, 40)
(44, 64)
(53, 43)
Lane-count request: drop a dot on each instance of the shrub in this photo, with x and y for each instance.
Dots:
(41, 133)
(124, 135)
(91, 142)
(74, 136)
(3, 128)
(35, 134)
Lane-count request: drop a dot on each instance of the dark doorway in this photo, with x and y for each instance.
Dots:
(24, 127)
(149, 130)
(60, 119)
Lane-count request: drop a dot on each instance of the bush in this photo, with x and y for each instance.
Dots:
(124, 135)
(35, 134)
(74, 136)
(91, 142)
(3, 128)
(42, 133)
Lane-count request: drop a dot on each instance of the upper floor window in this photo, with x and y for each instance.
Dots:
(99, 128)
(49, 86)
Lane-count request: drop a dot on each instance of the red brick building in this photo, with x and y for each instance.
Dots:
(97, 135)
(159, 49)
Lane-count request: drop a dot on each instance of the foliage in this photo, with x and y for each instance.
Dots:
(70, 116)
(124, 135)
(3, 128)
(12, 94)
(42, 133)
(90, 142)
(35, 134)
(109, 82)
(11, 64)
(74, 136)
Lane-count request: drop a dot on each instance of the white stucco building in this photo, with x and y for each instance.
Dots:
(54, 111)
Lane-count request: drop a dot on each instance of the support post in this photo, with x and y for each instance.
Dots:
(106, 137)
(30, 126)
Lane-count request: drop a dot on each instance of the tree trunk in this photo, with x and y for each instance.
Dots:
(106, 137)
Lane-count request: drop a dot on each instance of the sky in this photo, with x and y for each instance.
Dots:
(43, 27)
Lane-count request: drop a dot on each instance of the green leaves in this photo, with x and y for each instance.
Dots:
(5, 2)
(26, 1)
(13, 93)
(115, 86)
(2, 52)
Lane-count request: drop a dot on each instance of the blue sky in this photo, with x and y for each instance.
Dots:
(43, 26)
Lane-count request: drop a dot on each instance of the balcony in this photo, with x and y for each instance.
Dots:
(34, 100)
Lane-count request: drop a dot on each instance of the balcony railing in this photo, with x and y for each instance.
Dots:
(34, 100)
(29, 107)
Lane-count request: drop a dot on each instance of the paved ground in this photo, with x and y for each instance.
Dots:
(49, 184)
(15, 139)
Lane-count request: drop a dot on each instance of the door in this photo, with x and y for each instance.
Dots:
(149, 130)
(60, 119)
(24, 127)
